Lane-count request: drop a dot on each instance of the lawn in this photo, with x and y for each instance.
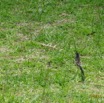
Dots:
(38, 40)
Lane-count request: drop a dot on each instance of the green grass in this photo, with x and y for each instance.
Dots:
(37, 49)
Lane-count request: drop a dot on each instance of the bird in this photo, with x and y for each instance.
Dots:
(78, 64)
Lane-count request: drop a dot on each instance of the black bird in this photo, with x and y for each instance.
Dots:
(78, 63)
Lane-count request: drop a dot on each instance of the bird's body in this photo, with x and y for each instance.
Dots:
(77, 59)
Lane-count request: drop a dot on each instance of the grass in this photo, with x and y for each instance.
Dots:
(38, 40)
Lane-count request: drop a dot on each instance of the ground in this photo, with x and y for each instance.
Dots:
(38, 40)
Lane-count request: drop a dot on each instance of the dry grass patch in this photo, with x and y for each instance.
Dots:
(22, 37)
(5, 49)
